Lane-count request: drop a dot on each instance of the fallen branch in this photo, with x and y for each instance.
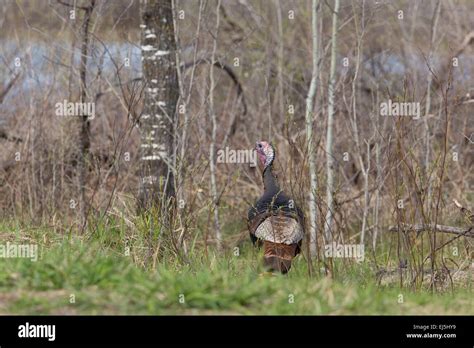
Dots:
(468, 232)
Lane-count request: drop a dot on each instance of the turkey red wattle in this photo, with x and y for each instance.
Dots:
(262, 158)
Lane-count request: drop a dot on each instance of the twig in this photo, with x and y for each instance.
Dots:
(7, 89)
(468, 232)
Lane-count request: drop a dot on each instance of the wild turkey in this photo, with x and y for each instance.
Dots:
(275, 221)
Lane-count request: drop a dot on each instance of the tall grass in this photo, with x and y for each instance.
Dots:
(93, 274)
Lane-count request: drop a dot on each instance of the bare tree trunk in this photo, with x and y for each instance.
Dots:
(365, 169)
(212, 146)
(183, 137)
(281, 49)
(313, 246)
(329, 140)
(84, 135)
(161, 93)
(377, 193)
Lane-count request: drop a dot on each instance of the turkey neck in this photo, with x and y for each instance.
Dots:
(270, 184)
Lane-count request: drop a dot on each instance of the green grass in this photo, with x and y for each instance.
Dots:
(102, 280)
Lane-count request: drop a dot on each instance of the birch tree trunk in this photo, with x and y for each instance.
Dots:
(212, 146)
(281, 52)
(377, 193)
(329, 140)
(313, 246)
(161, 93)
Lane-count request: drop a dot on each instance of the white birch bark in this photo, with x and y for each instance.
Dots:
(377, 194)
(329, 137)
(161, 93)
(280, 61)
(212, 146)
(313, 246)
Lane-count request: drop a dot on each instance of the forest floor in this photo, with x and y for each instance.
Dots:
(84, 275)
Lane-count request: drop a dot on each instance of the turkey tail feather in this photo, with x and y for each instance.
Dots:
(277, 257)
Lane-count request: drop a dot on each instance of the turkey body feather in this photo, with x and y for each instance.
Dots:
(276, 223)
(280, 229)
